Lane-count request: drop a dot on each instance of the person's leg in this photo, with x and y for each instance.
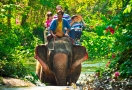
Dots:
(75, 35)
(77, 32)
(49, 37)
(49, 32)
(79, 36)
(72, 40)
(72, 34)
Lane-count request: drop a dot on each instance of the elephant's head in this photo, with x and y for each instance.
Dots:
(63, 64)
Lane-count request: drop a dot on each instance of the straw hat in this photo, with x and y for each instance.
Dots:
(79, 17)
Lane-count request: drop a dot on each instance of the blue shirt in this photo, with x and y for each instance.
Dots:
(75, 26)
(65, 24)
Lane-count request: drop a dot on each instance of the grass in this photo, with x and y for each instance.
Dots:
(93, 61)
(93, 64)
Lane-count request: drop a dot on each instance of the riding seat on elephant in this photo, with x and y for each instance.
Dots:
(59, 61)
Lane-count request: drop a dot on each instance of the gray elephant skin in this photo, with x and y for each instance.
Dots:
(61, 65)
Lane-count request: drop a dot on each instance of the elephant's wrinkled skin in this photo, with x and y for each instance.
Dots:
(61, 65)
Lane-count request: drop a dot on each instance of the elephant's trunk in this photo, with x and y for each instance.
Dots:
(60, 63)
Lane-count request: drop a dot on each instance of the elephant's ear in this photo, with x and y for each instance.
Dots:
(41, 52)
(79, 55)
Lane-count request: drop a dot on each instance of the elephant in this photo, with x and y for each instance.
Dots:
(60, 66)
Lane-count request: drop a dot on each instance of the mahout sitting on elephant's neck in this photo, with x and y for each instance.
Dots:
(51, 37)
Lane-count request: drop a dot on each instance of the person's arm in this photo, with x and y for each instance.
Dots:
(52, 28)
(84, 24)
(51, 32)
(68, 28)
(45, 25)
(72, 22)
(67, 32)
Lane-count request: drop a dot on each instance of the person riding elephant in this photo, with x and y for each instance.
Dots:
(62, 64)
(59, 27)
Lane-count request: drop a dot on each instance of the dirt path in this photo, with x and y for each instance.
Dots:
(15, 82)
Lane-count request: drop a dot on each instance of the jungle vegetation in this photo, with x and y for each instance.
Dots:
(108, 34)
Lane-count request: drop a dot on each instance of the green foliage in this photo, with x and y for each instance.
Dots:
(100, 71)
(17, 45)
(21, 29)
(38, 32)
(14, 68)
(128, 7)
(114, 43)
(98, 46)
(126, 69)
(32, 78)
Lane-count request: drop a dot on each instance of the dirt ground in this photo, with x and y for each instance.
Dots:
(15, 82)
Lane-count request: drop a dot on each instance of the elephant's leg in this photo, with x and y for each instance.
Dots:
(44, 73)
(60, 68)
(39, 72)
(73, 77)
(43, 76)
(48, 78)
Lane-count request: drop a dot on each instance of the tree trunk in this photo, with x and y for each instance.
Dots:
(24, 17)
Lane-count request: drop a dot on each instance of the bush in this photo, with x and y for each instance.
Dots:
(17, 46)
